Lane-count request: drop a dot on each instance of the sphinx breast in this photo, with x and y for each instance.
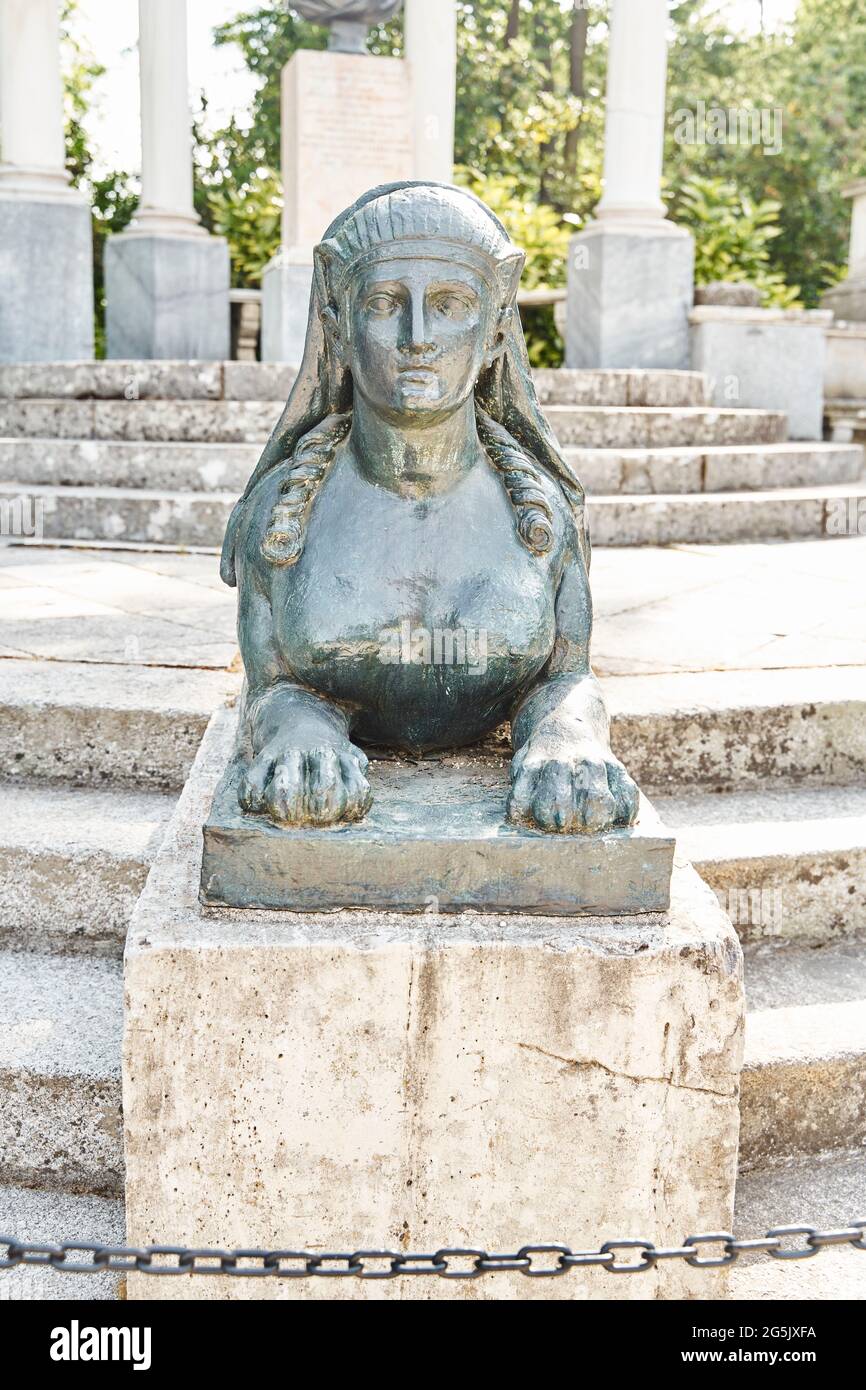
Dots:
(423, 666)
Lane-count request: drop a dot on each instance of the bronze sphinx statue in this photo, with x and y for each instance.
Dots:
(414, 485)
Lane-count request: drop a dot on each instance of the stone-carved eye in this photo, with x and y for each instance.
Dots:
(382, 304)
(452, 305)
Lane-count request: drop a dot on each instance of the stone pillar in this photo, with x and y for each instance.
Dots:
(630, 275)
(848, 299)
(46, 254)
(346, 127)
(166, 279)
(431, 51)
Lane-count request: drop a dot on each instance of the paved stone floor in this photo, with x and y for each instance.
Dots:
(115, 607)
(682, 608)
(733, 607)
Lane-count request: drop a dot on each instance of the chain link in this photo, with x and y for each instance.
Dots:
(533, 1261)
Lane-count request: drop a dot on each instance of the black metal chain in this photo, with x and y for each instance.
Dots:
(534, 1261)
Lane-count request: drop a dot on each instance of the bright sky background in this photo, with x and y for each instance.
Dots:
(110, 29)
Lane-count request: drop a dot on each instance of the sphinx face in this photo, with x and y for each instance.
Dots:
(418, 336)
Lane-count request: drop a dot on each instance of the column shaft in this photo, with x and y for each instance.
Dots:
(634, 121)
(31, 100)
(166, 125)
(431, 50)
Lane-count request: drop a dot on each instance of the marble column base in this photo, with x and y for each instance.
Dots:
(630, 291)
(167, 297)
(286, 287)
(46, 280)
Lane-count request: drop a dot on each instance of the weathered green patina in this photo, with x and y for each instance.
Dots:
(411, 552)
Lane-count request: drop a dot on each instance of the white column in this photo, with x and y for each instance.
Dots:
(31, 101)
(166, 205)
(635, 114)
(431, 50)
(857, 252)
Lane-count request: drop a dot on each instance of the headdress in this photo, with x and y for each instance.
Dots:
(414, 219)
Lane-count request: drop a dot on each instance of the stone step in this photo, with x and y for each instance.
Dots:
(665, 427)
(250, 421)
(826, 1192)
(72, 864)
(719, 468)
(162, 380)
(174, 519)
(95, 725)
(564, 386)
(108, 463)
(803, 1087)
(198, 519)
(264, 381)
(162, 421)
(47, 1218)
(787, 862)
(139, 726)
(726, 518)
(61, 1127)
(226, 467)
(741, 730)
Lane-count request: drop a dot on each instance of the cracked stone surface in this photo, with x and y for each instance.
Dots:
(518, 1080)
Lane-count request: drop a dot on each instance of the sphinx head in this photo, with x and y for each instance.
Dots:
(416, 291)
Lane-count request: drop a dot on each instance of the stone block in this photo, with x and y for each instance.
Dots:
(733, 294)
(845, 367)
(435, 835)
(767, 359)
(167, 296)
(629, 295)
(46, 280)
(346, 128)
(847, 301)
(359, 1080)
(286, 289)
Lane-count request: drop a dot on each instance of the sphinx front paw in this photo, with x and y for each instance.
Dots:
(578, 788)
(324, 784)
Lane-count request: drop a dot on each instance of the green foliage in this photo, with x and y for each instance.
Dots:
(814, 75)
(249, 218)
(535, 227)
(733, 236)
(539, 231)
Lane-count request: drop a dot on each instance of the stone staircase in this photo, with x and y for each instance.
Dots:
(156, 453)
(761, 772)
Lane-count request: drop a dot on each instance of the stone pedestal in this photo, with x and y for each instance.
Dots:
(766, 359)
(630, 289)
(167, 296)
(358, 1080)
(46, 279)
(346, 127)
(845, 369)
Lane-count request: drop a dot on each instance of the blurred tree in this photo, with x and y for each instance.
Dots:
(810, 80)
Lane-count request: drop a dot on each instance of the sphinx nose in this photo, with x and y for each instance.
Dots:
(416, 330)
